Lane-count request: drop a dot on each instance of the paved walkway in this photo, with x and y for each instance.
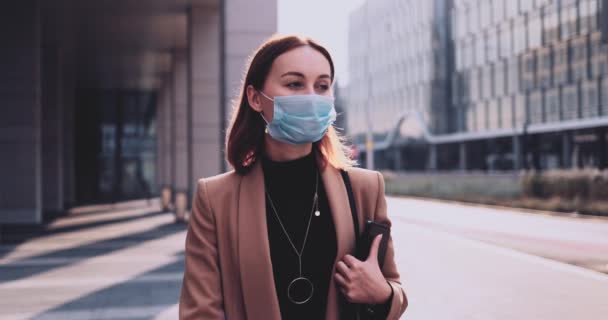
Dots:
(127, 263)
(118, 264)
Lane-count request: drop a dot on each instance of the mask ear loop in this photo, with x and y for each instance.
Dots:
(261, 114)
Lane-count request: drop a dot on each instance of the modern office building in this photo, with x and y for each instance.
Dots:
(104, 101)
(529, 88)
(398, 63)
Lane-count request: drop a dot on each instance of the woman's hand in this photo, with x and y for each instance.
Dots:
(362, 281)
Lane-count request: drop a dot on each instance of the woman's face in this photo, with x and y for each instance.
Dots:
(300, 71)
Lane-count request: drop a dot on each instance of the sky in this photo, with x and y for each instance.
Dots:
(324, 20)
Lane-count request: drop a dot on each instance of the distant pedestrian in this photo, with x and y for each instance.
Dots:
(273, 238)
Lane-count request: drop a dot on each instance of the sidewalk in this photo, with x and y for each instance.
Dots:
(121, 262)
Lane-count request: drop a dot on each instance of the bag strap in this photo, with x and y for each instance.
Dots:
(353, 205)
(356, 308)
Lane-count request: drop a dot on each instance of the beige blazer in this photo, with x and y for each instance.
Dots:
(228, 268)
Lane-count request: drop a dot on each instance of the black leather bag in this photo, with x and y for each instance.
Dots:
(362, 246)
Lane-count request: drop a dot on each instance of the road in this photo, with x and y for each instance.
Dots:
(457, 262)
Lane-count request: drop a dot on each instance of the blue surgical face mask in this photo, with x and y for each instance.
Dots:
(300, 119)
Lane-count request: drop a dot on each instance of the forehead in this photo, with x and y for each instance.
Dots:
(306, 60)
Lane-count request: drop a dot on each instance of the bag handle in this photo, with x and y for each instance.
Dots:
(353, 205)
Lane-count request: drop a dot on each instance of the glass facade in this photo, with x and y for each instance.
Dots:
(116, 145)
(407, 71)
(479, 65)
(545, 57)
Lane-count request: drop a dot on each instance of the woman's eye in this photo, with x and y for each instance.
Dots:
(323, 87)
(294, 84)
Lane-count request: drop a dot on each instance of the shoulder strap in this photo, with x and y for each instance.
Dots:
(353, 206)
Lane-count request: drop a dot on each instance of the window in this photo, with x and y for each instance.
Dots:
(457, 83)
(569, 19)
(473, 20)
(480, 56)
(513, 75)
(499, 9)
(604, 97)
(519, 35)
(579, 58)
(505, 41)
(529, 71)
(506, 114)
(493, 114)
(590, 100)
(487, 82)
(461, 19)
(589, 15)
(535, 106)
(471, 121)
(481, 116)
(499, 76)
(475, 87)
(512, 8)
(560, 63)
(550, 23)
(485, 13)
(525, 5)
(544, 68)
(519, 110)
(534, 30)
(469, 52)
(552, 105)
(570, 106)
(599, 57)
(491, 42)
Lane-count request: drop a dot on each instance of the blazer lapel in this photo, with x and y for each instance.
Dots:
(255, 264)
(345, 237)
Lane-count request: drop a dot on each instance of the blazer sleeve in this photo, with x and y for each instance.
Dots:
(201, 294)
(389, 269)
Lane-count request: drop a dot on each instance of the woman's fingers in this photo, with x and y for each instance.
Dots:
(350, 261)
(343, 269)
(341, 281)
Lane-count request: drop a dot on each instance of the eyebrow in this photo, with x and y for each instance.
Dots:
(301, 75)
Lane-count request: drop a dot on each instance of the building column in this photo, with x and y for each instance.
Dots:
(517, 156)
(164, 155)
(20, 127)
(566, 161)
(602, 149)
(241, 35)
(180, 129)
(52, 132)
(207, 110)
(432, 162)
(67, 99)
(462, 159)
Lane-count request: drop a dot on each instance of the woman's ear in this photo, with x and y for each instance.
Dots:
(253, 97)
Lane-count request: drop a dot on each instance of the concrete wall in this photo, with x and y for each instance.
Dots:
(52, 130)
(247, 25)
(212, 64)
(206, 109)
(20, 126)
(180, 103)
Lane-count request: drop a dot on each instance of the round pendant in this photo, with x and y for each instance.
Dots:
(317, 213)
(300, 290)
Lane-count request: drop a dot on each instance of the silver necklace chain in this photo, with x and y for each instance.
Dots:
(315, 205)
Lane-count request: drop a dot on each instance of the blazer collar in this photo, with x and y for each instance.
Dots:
(257, 280)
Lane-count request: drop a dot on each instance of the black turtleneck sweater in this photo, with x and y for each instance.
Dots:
(291, 186)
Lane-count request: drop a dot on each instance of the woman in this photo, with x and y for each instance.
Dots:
(272, 238)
